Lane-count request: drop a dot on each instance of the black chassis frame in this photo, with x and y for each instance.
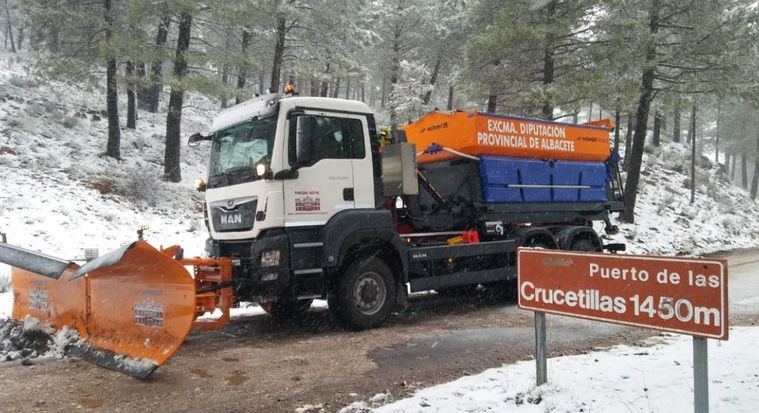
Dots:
(312, 257)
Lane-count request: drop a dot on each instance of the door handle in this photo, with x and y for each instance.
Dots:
(348, 194)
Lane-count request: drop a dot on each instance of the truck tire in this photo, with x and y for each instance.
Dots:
(507, 290)
(584, 244)
(365, 295)
(286, 309)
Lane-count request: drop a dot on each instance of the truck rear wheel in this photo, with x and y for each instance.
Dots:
(584, 244)
(286, 309)
(365, 295)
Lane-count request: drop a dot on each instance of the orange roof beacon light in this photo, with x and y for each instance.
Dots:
(289, 89)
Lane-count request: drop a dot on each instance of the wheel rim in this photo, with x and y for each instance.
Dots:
(369, 293)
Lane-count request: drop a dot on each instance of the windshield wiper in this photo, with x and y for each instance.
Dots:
(233, 176)
(214, 180)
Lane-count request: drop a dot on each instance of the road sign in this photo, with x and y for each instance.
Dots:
(677, 294)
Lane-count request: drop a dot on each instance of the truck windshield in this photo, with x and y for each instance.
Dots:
(238, 149)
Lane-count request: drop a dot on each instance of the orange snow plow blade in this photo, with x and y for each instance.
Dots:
(132, 307)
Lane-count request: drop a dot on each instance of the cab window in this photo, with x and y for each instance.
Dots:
(333, 138)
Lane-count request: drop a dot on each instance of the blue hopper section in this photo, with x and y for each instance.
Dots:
(515, 180)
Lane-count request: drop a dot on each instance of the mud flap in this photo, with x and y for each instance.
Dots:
(132, 307)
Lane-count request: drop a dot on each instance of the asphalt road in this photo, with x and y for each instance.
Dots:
(258, 365)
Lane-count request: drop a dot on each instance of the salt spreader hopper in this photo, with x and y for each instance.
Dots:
(476, 133)
(132, 307)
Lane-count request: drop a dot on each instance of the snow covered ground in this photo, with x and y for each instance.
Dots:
(620, 379)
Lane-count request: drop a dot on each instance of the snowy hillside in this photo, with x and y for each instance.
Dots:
(61, 195)
(722, 217)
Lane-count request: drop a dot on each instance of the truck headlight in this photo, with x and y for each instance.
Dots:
(270, 258)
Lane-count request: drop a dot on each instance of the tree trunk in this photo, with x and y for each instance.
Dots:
(20, 38)
(716, 137)
(395, 70)
(363, 92)
(225, 83)
(676, 122)
(732, 167)
(727, 163)
(693, 153)
(383, 94)
(314, 86)
(641, 117)
(171, 165)
(433, 78)
(279, 52)
(755, 178)
(744, 170)
(657, 128)
(131, 96)
(113, 147)
(336, 90)
(143, 90)
(324, 89)
(548, 56)
(450, 98)
(628, 138)
(156, 68)
(242, 71)
(53, 34)
(348, 88)
(10, 27)
(617, 118)
(492, 102)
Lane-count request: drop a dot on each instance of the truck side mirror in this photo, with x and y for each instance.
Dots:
(305, 126)
(196, 138)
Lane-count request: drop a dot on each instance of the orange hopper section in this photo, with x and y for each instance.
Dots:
(476, 133)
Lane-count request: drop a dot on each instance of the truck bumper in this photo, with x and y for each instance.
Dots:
(253, 277)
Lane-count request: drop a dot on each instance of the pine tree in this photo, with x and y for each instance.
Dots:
(171, 162)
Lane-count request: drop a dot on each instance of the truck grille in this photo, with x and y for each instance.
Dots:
(234, 214)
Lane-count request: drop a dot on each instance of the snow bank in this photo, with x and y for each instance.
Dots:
(30, 338)
(622, 379)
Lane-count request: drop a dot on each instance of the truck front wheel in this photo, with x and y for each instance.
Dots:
(365, 294)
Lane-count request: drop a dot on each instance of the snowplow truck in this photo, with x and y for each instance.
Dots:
(305, 200)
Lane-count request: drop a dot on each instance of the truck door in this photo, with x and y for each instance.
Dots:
(329, 142)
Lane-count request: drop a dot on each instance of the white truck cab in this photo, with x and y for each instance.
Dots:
(287, 162)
